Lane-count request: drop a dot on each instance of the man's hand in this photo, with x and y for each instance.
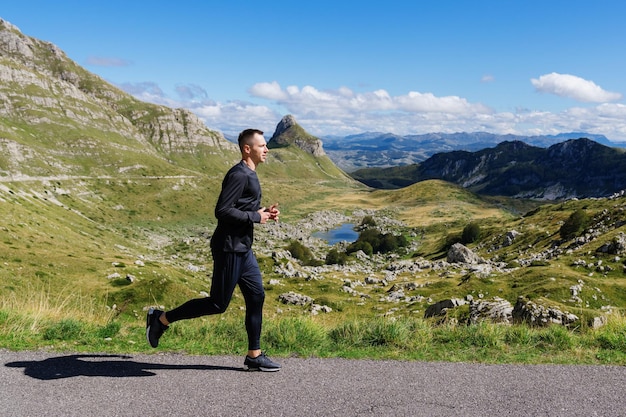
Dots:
(274, 212)
(269, 213)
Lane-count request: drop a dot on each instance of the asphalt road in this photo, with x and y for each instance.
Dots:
(56, 384)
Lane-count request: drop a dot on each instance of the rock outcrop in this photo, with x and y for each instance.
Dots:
(288, 132)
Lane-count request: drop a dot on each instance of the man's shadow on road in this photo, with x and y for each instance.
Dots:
(114, 366)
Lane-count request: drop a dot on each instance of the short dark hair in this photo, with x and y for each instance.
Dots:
(246, 135)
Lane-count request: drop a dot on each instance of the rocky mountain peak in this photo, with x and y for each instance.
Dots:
(573, 150)
(289, 132)
(285, 124)
(13, 42)
(16, 45)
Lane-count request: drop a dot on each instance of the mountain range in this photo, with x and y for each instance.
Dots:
(382, 150)
(574, 168)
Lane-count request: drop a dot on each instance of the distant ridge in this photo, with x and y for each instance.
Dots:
(383, 150)
(574, 168)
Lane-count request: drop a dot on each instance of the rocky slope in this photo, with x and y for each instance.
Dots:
(55, 117)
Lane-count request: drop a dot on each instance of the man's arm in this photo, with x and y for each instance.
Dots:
(232, 190)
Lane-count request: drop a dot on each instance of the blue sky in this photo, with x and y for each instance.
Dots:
(406, 67)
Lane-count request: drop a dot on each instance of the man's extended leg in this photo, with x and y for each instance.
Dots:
(227, 267)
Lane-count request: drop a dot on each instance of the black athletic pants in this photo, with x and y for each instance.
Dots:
(230, 269)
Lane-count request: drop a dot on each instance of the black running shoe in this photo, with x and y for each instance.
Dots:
(260, 363)
(154, 327)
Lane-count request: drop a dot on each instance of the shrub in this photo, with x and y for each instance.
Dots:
(298, 250)
(371, 236)
(471, 233)
(450, 240)
(335, 257)
(379, 242)
(575, 223)
(358, 245)
(302, 253)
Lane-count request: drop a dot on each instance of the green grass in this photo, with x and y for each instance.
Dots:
(381, 338)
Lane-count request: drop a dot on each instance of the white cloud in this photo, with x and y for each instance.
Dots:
(308, 99)
(571, 86)
(487, 78)
(232, 117)
(344, 112)
(428, 103)
(271, 91)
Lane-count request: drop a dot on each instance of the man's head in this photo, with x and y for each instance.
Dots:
(253, 146)
(246, 137)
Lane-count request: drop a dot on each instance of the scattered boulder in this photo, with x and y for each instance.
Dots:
(617, 246)
(295, 298)
(374, 281)
(404, 286)
(538, 315)
(316, 309)
(497, 310)
(460, 253)
(510, 237)
(440, 308)
(598, 322)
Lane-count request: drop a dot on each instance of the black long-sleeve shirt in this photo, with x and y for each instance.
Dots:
(237, 210)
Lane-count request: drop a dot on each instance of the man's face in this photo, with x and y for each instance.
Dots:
(258, 149)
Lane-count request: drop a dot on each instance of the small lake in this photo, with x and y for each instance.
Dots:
(343, 233)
